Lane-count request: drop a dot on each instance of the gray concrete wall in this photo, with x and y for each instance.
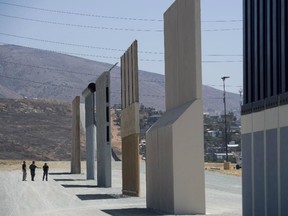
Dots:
(90, 151)
(264, 155)
(103, 125)
(174, 145)
(182, 53)
(90, 127)
(75, 154)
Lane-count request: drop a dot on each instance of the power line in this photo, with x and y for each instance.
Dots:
(96, 47)
(50, 84)
(81, 26)
(222, 86)
(224, 61)
(83, 14)
(109, 28)
(76, 45)
(58, 70)
(222, 21)
(65, 86)
(140, 59)
(220, 30)
(107, 17)
(220, 55)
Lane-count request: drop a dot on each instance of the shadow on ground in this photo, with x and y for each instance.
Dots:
(132, 211)
(79, 186)
(69, 179)
(60, 173)
(84, 197)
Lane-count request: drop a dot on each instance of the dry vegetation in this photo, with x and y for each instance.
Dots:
(219, 167)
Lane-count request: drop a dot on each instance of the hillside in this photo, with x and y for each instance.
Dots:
(34, 73)
(33, 129)
(36, 130)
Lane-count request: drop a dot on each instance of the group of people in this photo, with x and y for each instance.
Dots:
(32, 168)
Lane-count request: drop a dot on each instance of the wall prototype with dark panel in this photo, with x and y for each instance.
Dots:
(265, 108)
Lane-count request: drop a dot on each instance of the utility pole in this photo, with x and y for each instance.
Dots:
(225, 121)
(240, 92)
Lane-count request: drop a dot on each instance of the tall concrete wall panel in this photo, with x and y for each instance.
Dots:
(90, 127)
(185, 197)
(175, 141)
(103, 130)
(182, 41)
(168, 170)
(75, 154)
(130, 122)
(90, 151)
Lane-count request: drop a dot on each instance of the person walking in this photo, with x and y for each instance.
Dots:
(24, 171)
(32, 168)
(45, 171)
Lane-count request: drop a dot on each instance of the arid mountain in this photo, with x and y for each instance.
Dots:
(34, 73)
(36, 130)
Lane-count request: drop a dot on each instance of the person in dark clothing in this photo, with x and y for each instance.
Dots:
(24, 171)
(32, 168)
(45, 171)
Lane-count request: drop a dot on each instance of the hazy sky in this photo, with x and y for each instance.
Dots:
(102, 29)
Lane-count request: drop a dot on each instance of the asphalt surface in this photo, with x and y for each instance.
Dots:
(66, 194)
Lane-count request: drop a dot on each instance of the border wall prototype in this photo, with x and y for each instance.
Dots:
(130, 122)
(175, 145)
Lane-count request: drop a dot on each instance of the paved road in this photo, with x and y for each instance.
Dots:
(65, 194)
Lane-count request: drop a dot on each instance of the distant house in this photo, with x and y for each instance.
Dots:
(222, 156)
(153, 118)
(212, 133)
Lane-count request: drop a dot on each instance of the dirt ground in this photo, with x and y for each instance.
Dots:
(65, 165)
(219, 167)
(116, 136)
(17, 164)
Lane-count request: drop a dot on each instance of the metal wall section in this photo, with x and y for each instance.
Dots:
(258, 181)
(264, 155)
(129, 76)
(130, 149)
(130, 122)
(265, 49)
(272, 172)
(75, 154)
(247, 194)
(103, 130)
(283, 170)
(264, 137)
